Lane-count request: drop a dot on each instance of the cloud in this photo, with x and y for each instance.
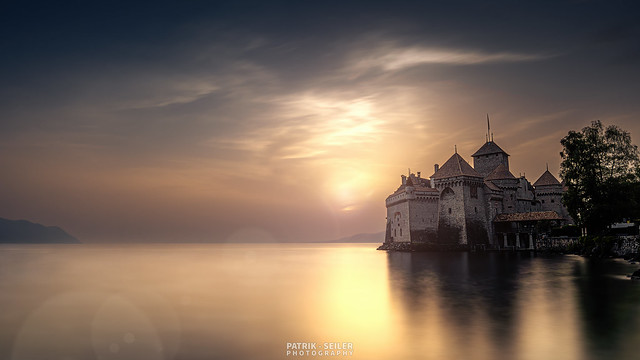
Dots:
(255, 125)
(397, 58)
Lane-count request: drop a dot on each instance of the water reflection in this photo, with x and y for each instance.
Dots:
(609, 308)
(460, 304)
(514, 306)
(248, 301)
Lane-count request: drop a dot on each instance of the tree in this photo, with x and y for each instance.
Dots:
(600, 168)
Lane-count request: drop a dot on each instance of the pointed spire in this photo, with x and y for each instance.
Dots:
(547, 166)
(455, 148)
(489, 128)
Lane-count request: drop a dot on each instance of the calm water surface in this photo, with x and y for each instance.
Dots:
(224, 301)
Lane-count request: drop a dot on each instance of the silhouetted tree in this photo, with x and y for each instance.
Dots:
(600, 168)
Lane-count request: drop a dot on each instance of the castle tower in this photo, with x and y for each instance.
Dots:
(462, 212)
(504, 179)
(549, 192)
(412, 212)
(489, 157)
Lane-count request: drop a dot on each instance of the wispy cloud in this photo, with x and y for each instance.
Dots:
(397, 58)
(182, 93)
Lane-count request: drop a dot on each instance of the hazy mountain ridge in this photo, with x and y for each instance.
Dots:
(27, 232)
(361, 238)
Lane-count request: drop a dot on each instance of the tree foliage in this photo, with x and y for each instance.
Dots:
(600, 168)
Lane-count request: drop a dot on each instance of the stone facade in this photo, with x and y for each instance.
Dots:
(549, 192)
(459, 204)
(489, 157)
(412, 212)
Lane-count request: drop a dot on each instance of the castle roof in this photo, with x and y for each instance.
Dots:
(546, 179)
(416, 189)
(420, 189)
(455, 166)
(491, 185)
(489, 148)
(528, 216)
(500, 173)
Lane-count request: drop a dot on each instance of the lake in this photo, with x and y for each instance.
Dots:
(258, 301)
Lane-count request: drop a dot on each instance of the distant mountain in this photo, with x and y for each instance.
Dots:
(361, 238)
(26, 232)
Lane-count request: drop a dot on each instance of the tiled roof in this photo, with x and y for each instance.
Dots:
(416, 188)
(425, 189)
(491, 185)
(455, 166)
(546, 179)
(500, 173)
(489, 148)
(529, 216)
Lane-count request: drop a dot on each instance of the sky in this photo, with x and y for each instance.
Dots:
(287, 120)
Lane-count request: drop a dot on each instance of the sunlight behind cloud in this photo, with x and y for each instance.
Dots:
(336, 122)
(335, 143)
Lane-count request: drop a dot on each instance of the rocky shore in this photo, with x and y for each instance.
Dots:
(627, 247)
(599, 247)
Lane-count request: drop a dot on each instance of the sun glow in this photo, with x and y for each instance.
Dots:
(337, 136)
(347, 189)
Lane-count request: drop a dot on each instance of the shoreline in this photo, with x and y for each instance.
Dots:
(627, 248)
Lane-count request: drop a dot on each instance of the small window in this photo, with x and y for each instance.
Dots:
(475, 209)
(543, 201)
(394, 233)
(449, 210)
(400, 232)
(552, 201)
(474, 192)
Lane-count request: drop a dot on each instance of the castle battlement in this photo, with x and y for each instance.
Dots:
(461, 205)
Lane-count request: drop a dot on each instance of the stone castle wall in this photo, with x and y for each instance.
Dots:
(451, 224)
(550, 198)
(525, 197)
(475, 208)
(510, 194)
(398, 218)
(423, 219)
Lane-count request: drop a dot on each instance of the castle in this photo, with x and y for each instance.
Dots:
(463, 206)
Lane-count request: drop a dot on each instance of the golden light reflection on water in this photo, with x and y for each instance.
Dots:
(241, 301)
(353, 298)
(548, 324)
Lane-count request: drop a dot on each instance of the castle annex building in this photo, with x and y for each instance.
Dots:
(482, 205)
